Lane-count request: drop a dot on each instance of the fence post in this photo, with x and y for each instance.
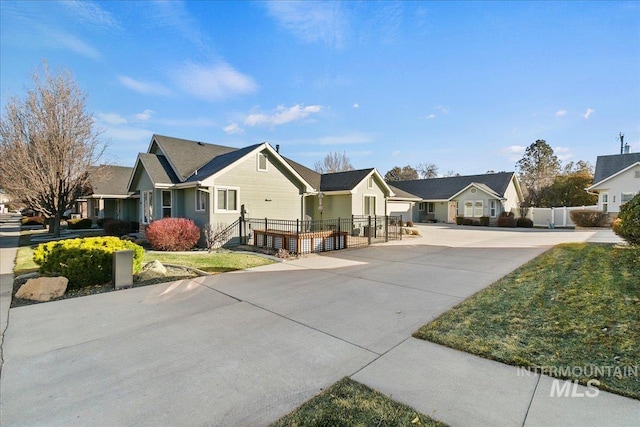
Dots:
(337, 244)
(240, 231)
(265, 232)
(386, 228)
(369, 231)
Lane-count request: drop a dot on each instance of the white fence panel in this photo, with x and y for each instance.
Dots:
(556, 216)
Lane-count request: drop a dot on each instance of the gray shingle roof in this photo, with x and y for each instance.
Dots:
(158, 168)
(110, 180)
(609, 165)
(401, 194)
(187, 156)
(445, 188)
(340, 181)
(309, 175)
(220, 162)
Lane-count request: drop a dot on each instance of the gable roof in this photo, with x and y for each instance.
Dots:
(446, 188)
(481, 187)
(109, 180)
(185, 156)
(311, 176)
(606, 166)
(341, 181)
(158, 168)
(220, 162)
(403, 195)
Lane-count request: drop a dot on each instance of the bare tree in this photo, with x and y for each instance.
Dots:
(48, 145)
(334, 162)
(405, 173)
(427, 170)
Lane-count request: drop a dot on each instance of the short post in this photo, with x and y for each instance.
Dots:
(123, 269)
(386, 228)
(339, 244)
(369, 231)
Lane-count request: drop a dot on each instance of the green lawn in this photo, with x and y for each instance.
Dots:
(577, 305)
(210, 262)
(347, 404)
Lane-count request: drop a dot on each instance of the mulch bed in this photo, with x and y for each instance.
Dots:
(173, 274)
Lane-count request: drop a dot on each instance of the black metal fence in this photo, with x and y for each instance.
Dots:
(309, 236)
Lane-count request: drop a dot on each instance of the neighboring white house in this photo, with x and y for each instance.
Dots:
(616, 180)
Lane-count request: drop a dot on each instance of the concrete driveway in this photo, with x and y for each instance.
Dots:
(244, 348)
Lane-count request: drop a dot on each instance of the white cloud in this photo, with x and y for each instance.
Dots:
(175, 16)
(588, 113)
(396, 153)
(356, 105)
(91, 13)
(282, 115)
(72, 43)
(562, 153)
(442, 109)
(431, 116)
(513, 152)
(233, 128)
(112, 118)
(213, 83)
(127, 133)
(144, 116)
(312, 22)
(561, 113)
(144, 87)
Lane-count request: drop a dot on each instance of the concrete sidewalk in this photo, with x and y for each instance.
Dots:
(9, 233)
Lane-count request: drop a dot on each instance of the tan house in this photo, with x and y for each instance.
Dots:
(443, 199)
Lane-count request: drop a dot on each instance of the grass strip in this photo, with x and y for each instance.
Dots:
(572, 309)
(348, 403)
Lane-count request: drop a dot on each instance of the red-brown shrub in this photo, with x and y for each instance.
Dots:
(507, 220)
(173, 234)
(588, 218)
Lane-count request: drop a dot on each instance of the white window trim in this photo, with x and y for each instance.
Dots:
(431, 207)
(493, 206)
(215, 199)
(422, 206)
(266, 162)
(605, 202)
(475, 203)
(468, 203)
(163, 206)
(149, 194)
(203, 194)
(626, 193)
(364, 204)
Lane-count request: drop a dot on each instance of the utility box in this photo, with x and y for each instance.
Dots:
(123, 269)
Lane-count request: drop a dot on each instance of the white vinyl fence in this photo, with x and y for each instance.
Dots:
(555, 217)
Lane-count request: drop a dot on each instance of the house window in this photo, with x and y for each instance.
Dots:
(147, 207)
(262, 162)
(637, 174)
(478, 210)
(227, 200)
(626, 197)
(369, 205)
(605, 202)
(201, 200)
(370, 182)
(468, 209)
(96, 208)
(166, 203)
(422, 206)
(430, 207)
(492, 208)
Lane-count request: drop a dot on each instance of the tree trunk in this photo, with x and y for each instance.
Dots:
(55, 224)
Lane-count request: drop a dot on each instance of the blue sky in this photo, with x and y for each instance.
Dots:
(464, 85)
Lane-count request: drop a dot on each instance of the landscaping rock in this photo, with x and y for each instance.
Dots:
(152, 270)
(43, 288)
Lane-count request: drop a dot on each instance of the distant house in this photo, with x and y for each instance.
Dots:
(107, 195)
(443, 199)
(211, 183)
(616, 180)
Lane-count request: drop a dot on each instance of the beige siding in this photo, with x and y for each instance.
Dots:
(362, 190)
(513, 202)
(266, 194)
(336, 206)
(469, 196)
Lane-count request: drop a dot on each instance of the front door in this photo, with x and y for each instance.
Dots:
(453, 208)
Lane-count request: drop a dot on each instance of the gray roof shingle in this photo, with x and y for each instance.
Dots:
(220, 162)
(609, 165)
(445, 188)
(187, 156)
(158, 168)
(341, 181)
(110, 180)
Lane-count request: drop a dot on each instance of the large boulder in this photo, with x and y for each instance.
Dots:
(152, 270)
(43, 288)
